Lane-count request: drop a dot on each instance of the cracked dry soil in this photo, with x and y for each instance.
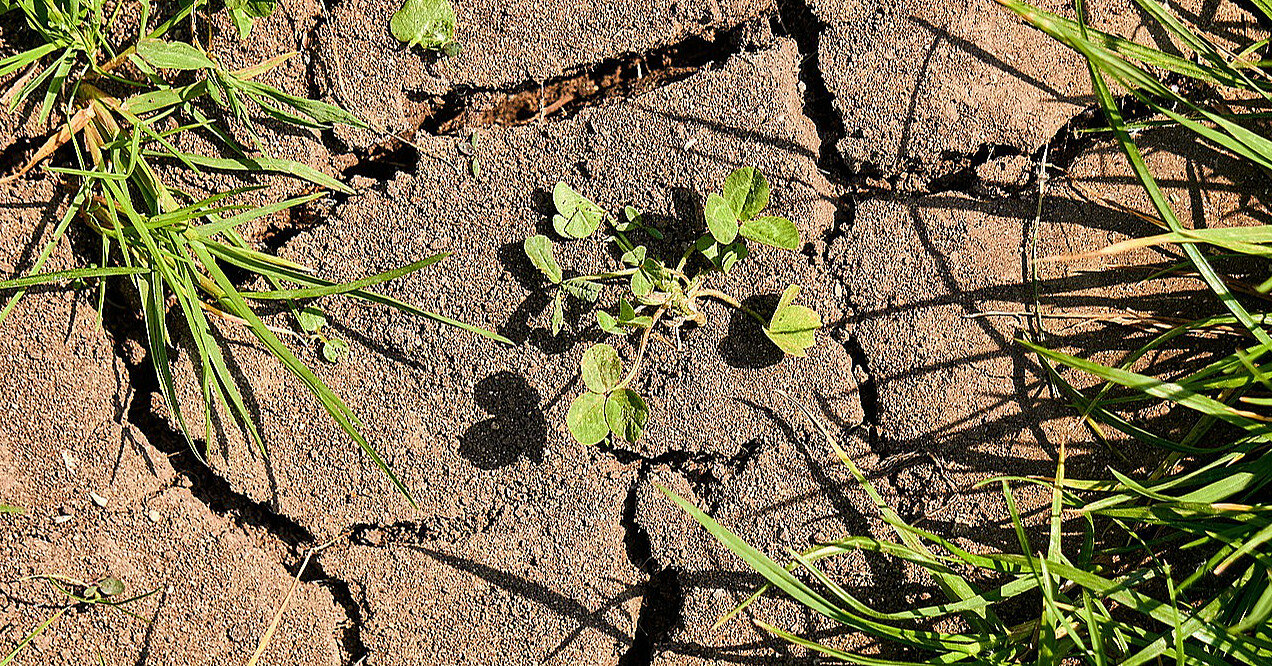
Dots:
(904, 139)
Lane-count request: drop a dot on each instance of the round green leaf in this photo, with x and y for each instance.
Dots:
(771, 230)
(586, 419)
(626, 414)
(111, 587)
(747, 192)
(722, 220)
(334, 350)
(428, 23)
(602, 369)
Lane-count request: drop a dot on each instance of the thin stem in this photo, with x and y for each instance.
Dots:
(640, 352)
(731, 302)
(605, 276)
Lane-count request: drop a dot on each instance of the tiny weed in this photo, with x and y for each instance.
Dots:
(429, 24)
(657, 292)
(121, 110)
(103, 593)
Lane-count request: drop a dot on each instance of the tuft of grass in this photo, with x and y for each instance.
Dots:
(1174, 567)
(121, 108)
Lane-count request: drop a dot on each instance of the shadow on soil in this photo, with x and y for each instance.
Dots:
(517, 426)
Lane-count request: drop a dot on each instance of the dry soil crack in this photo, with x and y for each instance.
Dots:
(284, 538)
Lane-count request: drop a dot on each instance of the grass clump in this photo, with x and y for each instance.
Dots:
(121, 107)
(657, 291)
(1174, 567)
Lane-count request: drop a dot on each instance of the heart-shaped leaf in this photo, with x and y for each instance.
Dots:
(577, 216)
(586, 419)
(173, 55)
(111, 587)
(539, 249)
(747, 192)
(427, 23)
(602, 369)
(635, 256)
(793, 328)
(626, 414)
(722, 220)
(311, 319)
(724, 257)
(771, 230)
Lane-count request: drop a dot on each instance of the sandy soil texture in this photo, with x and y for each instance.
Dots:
(903, 138)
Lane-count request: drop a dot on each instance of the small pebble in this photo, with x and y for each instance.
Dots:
(98, 499)
(61, 519)
(154, 516)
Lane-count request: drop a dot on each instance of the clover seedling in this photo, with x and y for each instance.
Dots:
(427, 23)
(659, 293)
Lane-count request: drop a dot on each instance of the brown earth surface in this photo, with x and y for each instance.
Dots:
(903, 138)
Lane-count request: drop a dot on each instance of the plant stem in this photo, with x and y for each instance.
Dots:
(731, 302)
(640, 352)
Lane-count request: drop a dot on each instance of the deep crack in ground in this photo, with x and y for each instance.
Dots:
(123, 324)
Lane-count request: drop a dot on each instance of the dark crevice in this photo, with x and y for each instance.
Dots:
(467, 107)
(663, 601)
(867, 388)
(124, 326)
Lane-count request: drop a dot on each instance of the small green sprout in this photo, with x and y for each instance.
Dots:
(427, 23)
(658, 292)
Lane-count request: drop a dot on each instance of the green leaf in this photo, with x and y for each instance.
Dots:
(539, 249)
(770, 230)
(793, 328)
(635, 256)
(641, 283)
(311, 319)
(626, 414)
(747, 192)
(722, 219)
(630, 221)
(558, 314)
(584, 290)
(173, 55)
(111, 587)
(586, 419)
(254, 164)
(607, 323)
(427, 23)
(245, 12)
(6, 508)
(627, 316)
(335, 350)
(602, 369)
(577, 216)
(724, 257)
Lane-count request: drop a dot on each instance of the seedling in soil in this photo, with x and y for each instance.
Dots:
(104, 593)
(121, 109)
(427, 23)
(658, 293)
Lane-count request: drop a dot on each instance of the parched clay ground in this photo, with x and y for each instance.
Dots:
(903, 138)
